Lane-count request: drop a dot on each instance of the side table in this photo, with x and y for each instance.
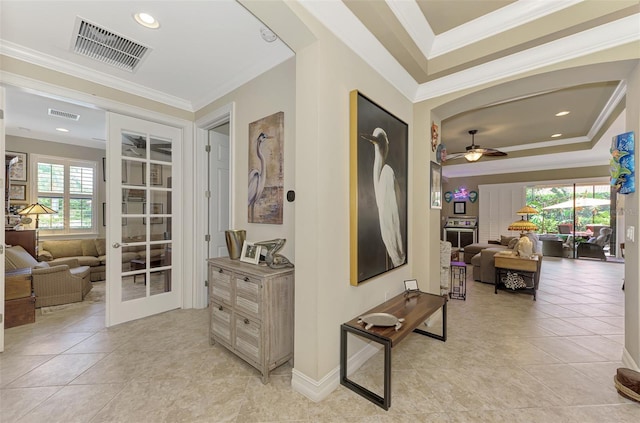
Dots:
(458, 281)
(527, 268)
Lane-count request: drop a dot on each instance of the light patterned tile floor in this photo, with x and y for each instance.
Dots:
(507, 359)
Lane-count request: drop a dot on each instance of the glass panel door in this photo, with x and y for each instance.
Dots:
(142, 201)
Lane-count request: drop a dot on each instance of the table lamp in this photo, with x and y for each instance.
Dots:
(37, 209)
(523, 226)
(526, 211)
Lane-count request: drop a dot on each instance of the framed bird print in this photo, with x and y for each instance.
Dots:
(378, 189)
(266, 170)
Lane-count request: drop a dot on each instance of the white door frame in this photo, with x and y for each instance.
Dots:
(187, 128)
(2, 206)
(203, 125)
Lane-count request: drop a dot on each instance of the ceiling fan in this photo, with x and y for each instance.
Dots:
(475, 152)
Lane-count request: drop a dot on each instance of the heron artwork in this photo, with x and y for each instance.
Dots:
(387, 195)
(257, 177)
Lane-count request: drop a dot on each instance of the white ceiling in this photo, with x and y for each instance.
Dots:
(204, 49)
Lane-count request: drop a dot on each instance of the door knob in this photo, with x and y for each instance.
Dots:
(116, 245)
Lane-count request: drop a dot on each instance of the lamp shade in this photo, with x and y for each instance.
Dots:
(523, 226)
(472, 155)
(526, 210)
(37, 208)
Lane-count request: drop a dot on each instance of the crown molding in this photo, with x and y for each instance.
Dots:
(53, 63)
(496, 22)
(590, 41)
(417, 26)
(612, 103)
(340, 21)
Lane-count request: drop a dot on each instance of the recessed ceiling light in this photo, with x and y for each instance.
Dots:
(268, 35)
(563, 113)
(556, 135)
(62, 129)
(146, 20)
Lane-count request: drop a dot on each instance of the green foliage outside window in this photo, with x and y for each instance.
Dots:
(549, 219)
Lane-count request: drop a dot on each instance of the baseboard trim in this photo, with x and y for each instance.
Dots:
(318, 390)
(627, 360)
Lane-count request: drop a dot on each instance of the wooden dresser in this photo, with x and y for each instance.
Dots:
(251, 310)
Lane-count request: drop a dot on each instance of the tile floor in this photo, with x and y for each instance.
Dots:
(507, 359)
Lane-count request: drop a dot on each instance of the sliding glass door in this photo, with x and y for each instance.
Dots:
(572, 214)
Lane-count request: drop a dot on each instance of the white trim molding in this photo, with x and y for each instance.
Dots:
(318, 390)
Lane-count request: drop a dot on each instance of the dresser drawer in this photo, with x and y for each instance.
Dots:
(247, 337)
(221, 288)
(248, 296)
(221, 323)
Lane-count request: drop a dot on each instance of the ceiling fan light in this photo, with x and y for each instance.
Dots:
(472, 156)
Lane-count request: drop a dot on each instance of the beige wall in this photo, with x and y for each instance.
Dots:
(271, 92)
(472, 183)
(49, 148)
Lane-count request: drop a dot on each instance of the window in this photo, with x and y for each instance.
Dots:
(69, 187)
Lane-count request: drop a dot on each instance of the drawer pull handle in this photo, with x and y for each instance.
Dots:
(219, 270)
(220, 308)
(246, 321)
(246, 279)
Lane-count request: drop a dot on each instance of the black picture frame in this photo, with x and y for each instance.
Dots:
(377, 248)
(459, 207)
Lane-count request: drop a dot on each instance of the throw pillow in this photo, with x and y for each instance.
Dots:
(505, 240)
(89, 248)
(512, 243)
(101, 246)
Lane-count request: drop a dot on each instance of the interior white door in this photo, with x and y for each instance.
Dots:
(219, 216)
(2, 206)
(143, 202)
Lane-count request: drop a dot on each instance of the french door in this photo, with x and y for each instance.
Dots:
(143, 206)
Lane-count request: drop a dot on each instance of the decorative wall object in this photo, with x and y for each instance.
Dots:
(441, 153)
(434, 136)
(266, 170)
(461, 194)
(622, 164)
(473, 196)
(378, 189)
(18, 192)
(436, 186)
(19, 171)
(459, 207)
(448, 196)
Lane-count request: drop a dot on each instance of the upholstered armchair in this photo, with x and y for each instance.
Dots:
(66, 282)
(594, 248)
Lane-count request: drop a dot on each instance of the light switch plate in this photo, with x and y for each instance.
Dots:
(631, 233)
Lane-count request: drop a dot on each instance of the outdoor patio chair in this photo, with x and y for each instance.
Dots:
(594, 248)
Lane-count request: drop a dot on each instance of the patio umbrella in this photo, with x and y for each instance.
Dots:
(580, 202)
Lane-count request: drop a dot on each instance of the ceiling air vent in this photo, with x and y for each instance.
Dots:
(64, 115)
(107, 47)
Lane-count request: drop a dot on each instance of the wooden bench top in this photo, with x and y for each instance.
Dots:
(414, 307)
